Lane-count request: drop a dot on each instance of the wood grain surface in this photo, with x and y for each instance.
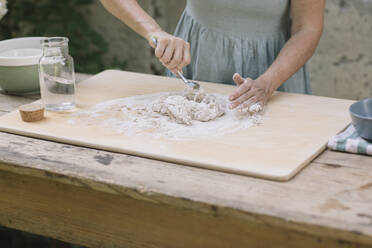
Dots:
(81, 195)
(295, 130)
(105, 199)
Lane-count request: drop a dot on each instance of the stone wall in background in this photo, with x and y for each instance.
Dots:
(341, 66)
(126, 44)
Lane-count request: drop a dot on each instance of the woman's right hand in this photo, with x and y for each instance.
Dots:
(173, 52)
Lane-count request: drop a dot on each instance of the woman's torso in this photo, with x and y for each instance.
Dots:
(243, 36)
(241, 15)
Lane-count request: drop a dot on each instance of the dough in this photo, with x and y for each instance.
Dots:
(175, 115)
(190, 105)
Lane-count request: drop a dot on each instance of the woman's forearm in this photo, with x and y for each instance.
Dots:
(172, 52)
(296, 52)
(307, 27)
(132, 14)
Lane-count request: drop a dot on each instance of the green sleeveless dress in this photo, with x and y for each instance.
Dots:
(243, 36)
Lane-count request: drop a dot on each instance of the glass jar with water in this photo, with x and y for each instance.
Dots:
(57, 76)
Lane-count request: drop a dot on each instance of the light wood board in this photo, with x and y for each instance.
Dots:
(295, 130)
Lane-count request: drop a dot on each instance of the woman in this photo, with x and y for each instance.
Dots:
(261, 45)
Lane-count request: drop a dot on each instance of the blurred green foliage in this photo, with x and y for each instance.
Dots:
(60, 18)
(54, 18)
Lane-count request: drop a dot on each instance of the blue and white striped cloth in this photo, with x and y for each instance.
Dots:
(350, 141)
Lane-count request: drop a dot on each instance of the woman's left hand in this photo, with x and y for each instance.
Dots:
(249, 92)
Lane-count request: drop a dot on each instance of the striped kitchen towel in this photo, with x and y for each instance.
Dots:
(350, 141)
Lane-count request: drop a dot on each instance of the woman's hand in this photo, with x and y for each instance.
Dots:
(249, 92)
(173, 52)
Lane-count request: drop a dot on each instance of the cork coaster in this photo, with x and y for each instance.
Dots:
(32, 112)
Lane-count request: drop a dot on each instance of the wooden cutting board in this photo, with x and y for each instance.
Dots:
(295, 131)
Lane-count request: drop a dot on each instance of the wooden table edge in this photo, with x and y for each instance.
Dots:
(313, 228)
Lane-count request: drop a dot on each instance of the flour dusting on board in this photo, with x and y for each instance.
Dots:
(177, 115)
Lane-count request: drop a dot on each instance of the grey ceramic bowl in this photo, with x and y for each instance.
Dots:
(361, 115)
(19, 60)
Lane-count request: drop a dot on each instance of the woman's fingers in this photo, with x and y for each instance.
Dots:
(168, 53)
(249, 103)
(173, 52)
(160, 48)
(186, 57)
(177, 55)
(248, 93)
(242, 88)
(238, 79)
(247, 96)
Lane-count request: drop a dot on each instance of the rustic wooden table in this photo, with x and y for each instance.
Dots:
(104, 199)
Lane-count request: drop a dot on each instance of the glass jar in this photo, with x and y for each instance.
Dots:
(56, 75)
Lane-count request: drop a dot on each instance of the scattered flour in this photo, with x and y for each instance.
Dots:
(177, 115)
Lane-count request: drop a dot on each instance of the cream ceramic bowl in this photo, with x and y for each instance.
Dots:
(19, 59)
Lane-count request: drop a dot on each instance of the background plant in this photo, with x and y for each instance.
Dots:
(54, 18)
(60, 18)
